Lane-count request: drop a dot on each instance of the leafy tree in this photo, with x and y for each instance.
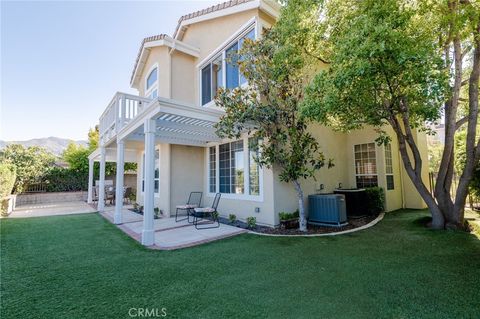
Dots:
(387, 67)
(276, 68)
(7, 179)
(435, 151)
(30, 163)
(110, 168)
(93, 138)
(77, 157)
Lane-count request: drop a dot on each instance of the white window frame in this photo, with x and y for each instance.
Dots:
(252, 24)
(246, 180)
(155, 84)
(142, 171)
(355, 164)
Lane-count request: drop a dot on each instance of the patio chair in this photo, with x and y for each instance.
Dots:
(194, 200)
(207, 212)
(95, 194)
(110, 194)
(127, 192)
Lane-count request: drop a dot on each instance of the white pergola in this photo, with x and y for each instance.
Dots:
(164, 121)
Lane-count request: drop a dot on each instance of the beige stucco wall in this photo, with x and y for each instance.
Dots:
(183, 77)
(332, 144)
(160, 56)
(210, 34)
(187, 165)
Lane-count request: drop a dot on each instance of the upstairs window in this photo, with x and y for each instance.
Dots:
(151, 87)
(223, 69)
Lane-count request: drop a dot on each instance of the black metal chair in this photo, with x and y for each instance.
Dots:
(127, 192)
(194, 201)
(95, 194)
(201, 214)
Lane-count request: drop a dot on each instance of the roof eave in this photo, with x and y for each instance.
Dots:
(145, 51)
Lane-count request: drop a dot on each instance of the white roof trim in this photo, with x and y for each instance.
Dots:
(168, 42)
(268, 6)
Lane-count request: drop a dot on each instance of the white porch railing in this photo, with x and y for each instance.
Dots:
(122, 109)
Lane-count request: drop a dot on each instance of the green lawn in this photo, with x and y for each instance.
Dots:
(80, 266)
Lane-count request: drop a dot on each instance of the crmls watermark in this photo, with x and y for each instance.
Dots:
(147, 312)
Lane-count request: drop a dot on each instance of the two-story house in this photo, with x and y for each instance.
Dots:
(168, 129)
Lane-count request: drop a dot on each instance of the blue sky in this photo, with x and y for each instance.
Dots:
(62, 61)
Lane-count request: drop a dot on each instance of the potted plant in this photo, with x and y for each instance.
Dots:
(232, 218)
(289, 220)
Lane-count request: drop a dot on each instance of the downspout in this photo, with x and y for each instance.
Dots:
(170, 52)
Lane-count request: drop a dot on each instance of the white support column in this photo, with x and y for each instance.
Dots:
(117, 217)
(148, 234)
(101, 185)
(90, 181)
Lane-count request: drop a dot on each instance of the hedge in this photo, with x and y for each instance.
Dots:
(7, 179)
(65, 180)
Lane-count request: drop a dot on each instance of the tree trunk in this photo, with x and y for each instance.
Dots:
(301, 206)
(414, 170)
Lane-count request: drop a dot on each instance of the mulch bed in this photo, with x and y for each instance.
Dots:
(311, 229)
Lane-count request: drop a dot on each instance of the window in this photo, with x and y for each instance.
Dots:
(231, 168)
(237, 172)
(223, 70)
(232, 73)
(156, 175)
(365, 165)
(389, 167)
(212, 79)
(150, 86)
(253, 167)
(212, 170)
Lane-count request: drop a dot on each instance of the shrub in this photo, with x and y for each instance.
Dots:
(251, 222)
(31, 164)
(288, 216)
(7, 179)
(232, 218)
(375, 200)
(65, 180)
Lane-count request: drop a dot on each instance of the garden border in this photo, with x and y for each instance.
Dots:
(370, 224)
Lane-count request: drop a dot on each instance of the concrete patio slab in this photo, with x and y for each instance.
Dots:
(170, 235)
(52, 209)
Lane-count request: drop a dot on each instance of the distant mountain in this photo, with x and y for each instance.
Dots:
(56, 145)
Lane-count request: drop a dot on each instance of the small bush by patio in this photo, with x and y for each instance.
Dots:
(251, 222)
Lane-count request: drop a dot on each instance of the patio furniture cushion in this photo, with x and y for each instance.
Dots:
(204, 210)
(186, 206)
